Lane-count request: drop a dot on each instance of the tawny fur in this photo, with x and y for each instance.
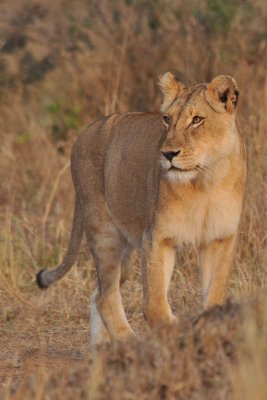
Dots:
(154, 182)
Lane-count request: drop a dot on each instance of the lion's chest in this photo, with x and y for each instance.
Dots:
(200, 218)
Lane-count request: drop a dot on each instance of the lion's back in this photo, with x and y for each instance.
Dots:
(131, 169)
(116, 159)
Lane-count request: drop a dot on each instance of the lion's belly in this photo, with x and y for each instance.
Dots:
(200, 220)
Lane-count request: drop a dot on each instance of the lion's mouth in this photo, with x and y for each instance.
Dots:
(172, 168)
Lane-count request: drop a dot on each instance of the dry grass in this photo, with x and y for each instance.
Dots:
(62, 65)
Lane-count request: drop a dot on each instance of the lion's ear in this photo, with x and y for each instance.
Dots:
(170, 87)
(222, 94)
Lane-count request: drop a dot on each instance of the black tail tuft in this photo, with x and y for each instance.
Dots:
(39, 280)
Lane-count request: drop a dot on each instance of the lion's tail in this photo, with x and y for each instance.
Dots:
(44, 278)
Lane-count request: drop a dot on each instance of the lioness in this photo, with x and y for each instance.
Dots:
(157, 181)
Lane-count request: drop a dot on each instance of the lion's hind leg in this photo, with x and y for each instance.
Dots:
(107, 244)
(98, 331)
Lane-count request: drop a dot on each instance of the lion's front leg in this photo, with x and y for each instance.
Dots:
(157, 265)
(215, 263)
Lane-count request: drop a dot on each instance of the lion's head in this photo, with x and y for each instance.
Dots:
(200, 125)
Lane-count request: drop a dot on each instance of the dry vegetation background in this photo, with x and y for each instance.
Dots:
(64, 63)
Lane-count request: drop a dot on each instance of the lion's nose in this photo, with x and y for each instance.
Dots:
(170, 154)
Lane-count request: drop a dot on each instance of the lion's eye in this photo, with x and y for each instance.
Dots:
(166, 120)
(197, 120)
